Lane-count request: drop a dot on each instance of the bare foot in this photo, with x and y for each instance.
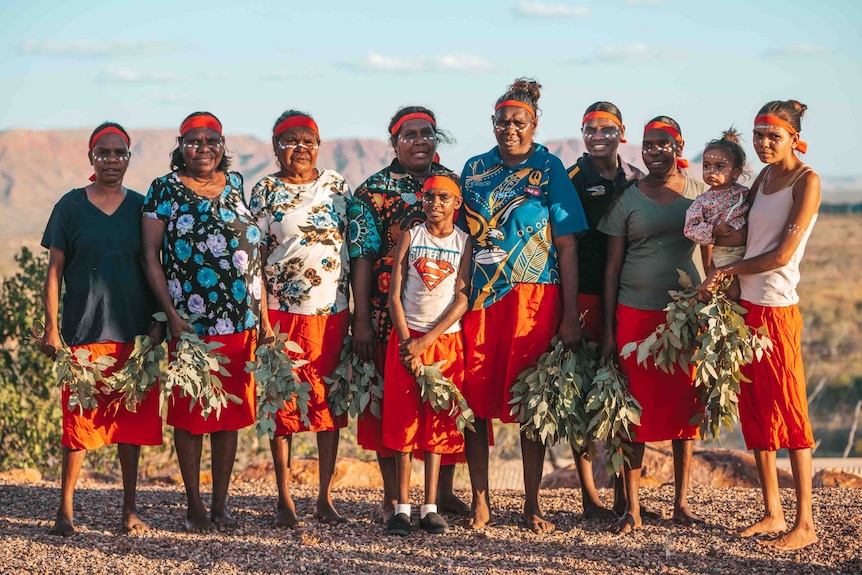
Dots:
(765, 526)
(595, 511)
(480, 515)
(326, 513)
(132, 523)
(650, 513)
(198, 522)
(626, 524)
(537, 524)
(223, 520)
(796, 538)
(451, 503)
(63, 526)
(686, 518)
(285, 518)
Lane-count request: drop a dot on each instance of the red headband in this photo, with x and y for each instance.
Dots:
(413, 116)
(294, 122)
(667, 128)
(108, 130)
(776, 121)
(516, 103)
(603, 115)
(441, 183)
(201, 121)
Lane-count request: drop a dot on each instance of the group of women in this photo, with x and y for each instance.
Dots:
(586, 252)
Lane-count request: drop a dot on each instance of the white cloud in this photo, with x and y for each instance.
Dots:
(91, 49)
(129, 76)
(795, 51)
(454, 62)
(546, 10)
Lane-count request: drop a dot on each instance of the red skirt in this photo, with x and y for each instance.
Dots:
(411, 424)
(590, 308)
(321, 338)
(504, 339)
(669, 401)
(773, 406)
(238, 348)
(110, 422)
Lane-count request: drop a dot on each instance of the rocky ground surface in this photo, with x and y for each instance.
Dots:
(362, 546)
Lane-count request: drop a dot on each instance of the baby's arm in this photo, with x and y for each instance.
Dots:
(697, 228)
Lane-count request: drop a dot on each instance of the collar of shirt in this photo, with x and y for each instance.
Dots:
(536, 159)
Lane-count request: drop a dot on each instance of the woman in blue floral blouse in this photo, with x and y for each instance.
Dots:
(196, 219)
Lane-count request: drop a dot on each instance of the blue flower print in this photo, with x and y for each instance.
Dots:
(183, 250)
(226, 215)
(185, 223)
(250, 320)
(213, 296)
(252, 234)
(217, 244)
(207, 277)
(187, 287)
(199, 259)
(164, 208)
(204, 206)
(233, 243)
(238, 290)
(196, 304)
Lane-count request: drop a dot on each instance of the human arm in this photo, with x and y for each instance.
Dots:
(613, 267)
(697, 228)
(152, 235)
(267, 334)
(806, 202)
(567, 253)
(396, 288)
(51, 341)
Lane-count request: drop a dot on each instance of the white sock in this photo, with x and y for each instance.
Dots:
(426, 509)
(402, 508)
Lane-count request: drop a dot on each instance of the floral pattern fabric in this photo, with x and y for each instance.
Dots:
(304, 227)
(711, 208)
(211, 255)
(384, 207)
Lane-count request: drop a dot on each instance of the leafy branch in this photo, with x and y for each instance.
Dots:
(615, 411)
(277, 382)
(139, 373)
(354, 385)
(442, 394)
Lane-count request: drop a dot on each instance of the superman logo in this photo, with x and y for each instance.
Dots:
(433, 272)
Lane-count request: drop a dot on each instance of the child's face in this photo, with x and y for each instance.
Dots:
(439, 205)
(718, 170)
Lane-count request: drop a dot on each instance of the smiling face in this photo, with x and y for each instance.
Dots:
(110, 159)
(203, 149)
(602, 137)
(660, 152)
(415, 145)
(296, 149)
(514, 128)
(718, 169)
(773, 143)
(439, 205)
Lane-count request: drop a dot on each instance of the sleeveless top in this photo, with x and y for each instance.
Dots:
(432, 273)
(767, 221)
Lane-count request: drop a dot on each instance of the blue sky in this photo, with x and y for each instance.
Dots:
(711, 64)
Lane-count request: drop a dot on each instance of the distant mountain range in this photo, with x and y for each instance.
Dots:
(38, 167)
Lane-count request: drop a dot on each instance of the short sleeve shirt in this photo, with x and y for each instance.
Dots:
(211, 255)
(596, 193)
(655, 245)
(384, 207)
(513, 215)
(304, 228)
(107, 297)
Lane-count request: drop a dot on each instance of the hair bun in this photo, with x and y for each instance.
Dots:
(799, 107)
(731, 135)
(527, 86)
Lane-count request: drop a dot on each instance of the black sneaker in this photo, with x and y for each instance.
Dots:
(399, 525)
(433, 523)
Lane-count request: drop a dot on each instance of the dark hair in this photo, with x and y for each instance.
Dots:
(667, 120)
(524, 90)
(177, 160)
(791, 111)
(729, 141)
(605, 107)
(289, 114)
(442, 135)
(104, 125)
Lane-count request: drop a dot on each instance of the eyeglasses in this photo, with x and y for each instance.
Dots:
(606, 133)
(520, 127)
(212, 144)
(413, 137)
(665, 147)
(105, 155)
(444, 199)
(292, 144)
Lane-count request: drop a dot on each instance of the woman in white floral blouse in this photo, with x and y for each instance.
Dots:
(202, 261)
(302, 212)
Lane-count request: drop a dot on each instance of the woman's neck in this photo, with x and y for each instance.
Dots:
(101, 189)
(785, 166)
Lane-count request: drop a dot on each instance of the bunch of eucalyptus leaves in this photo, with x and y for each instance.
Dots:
(442, 394)
(354, 385)
(612, 411)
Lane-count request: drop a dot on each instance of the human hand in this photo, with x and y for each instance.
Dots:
(178, 325)
(51, 342)
(570, 333)
(157, 332)
(413, 347)
(364, 342)
(722, 230)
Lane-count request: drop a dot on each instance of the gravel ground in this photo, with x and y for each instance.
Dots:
(362, 546)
